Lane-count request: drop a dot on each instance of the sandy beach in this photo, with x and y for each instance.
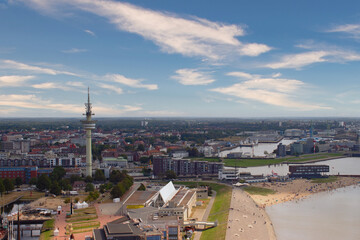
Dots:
(246, 220)
(297, 189)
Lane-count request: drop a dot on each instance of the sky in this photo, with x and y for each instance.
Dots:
(165, 58)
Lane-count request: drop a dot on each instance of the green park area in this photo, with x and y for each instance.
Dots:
(219, 211)
(258, 191)
(330, 179)
(47, 230)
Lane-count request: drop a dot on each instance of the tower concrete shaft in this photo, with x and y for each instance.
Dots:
(88, 125)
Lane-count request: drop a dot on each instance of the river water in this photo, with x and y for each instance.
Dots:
(328, 215)
(342, 166)
(259, 150)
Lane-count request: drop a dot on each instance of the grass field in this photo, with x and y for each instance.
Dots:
(263, 162)
(206, 159)
(258, 191)
(47, 230)
(324, 180)
(219, 211)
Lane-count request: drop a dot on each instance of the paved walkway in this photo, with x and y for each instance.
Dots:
(197, 235)
(246, 220)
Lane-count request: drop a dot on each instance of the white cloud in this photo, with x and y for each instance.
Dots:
(68, 86)
(135, 83)
(240, 74)
(90, 32)
(16, 102)
(111, 87)
(76, 84)
(10, 64)
(50, 85)
(317, 53)
(14, 80)
(299, 60)
(188, 76)
(173, 34)
(352, 29)
(74, 50)
(272, 91)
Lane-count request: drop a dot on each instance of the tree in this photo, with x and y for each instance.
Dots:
(8, 184)
(2, 187)
(116, 176)
(115, 192)
(146, 171)
(33, 181)
(144, 160)
(93, 196)
(65, 184)
(55, 188)
(170, 174)
(43, 183)
(18, 181)
(142, 188)
(141, 147)
(89, 187)
(74, 178)
(99, 176)
(102, 188)
(58, 173)
(89, 179)
(193, 152)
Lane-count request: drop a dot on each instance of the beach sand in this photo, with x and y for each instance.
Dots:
(297, 189)
(247, 216)
(246, 220)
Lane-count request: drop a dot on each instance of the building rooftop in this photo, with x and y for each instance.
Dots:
(140, 197)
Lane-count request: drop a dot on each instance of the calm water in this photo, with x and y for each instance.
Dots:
(344, 166)
(258, 149)
(328, 215)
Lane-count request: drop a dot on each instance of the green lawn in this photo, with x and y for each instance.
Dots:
(325, 180)
(263, 162)
(219, 212)
(47, 230)
(258, 191)
(206, 159)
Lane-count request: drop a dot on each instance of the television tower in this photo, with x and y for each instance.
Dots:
(88, 125)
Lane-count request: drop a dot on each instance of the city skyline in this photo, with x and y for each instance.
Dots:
(179, 59)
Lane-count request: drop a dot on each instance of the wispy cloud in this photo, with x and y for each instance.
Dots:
(50, 85)
(297, 61)
(76, 84)
(190, 36)
(272, 91)
(68, 86)
(188, 76)
(10, 64)
(111, 87)
(74, 50)
(135, 83)
(14, 80)
(16, 102)
(353, 30)
(90, 32)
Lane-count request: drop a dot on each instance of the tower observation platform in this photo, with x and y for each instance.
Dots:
(88, 125)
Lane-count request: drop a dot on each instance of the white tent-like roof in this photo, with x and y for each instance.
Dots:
(167, 192)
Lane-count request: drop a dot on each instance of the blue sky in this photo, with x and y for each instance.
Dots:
(180, 58)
